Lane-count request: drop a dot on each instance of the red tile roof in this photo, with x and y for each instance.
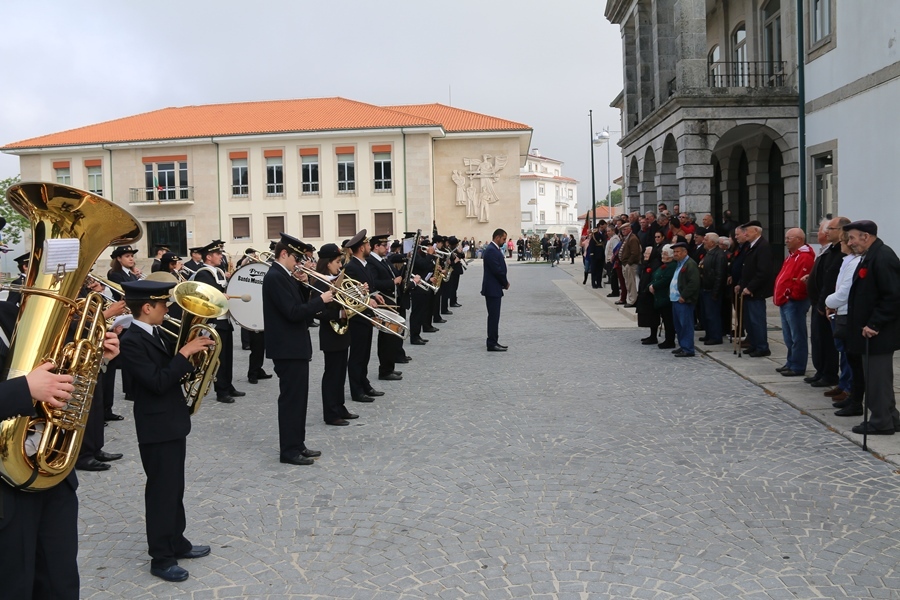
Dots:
(458, 120)
(547, 177)
(275, 116)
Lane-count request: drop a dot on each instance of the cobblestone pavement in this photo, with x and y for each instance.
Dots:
(573, 466)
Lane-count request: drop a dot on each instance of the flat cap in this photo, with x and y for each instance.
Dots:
(865, 226)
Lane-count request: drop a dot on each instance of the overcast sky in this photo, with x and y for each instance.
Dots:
(70, 64)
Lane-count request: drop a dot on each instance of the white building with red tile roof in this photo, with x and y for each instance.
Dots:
(549, 198)
(317, 168)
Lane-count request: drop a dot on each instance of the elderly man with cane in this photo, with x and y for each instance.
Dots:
(873, 327)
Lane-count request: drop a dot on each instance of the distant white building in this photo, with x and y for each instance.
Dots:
(852, 54)
(549, 199)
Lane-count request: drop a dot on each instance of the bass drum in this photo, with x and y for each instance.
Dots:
(247, 281)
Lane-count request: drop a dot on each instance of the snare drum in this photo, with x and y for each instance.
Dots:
(247, 281)
(389, 322)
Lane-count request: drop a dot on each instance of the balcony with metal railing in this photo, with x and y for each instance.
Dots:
(162, 195)
(747, 74)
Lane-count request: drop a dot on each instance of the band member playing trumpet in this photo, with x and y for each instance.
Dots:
(122, 267)
(22, 263)
(162, 421)
(196, 259)
(420, 314)
(361, 389)
(384, 281)
(288, 345)
(211, 273)
(334, 346)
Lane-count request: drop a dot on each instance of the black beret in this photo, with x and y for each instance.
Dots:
(753, 223)
(329, 251)
(865, 226)
(679, 245)
(168, 258)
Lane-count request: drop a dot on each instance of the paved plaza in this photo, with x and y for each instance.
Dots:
(579, 464)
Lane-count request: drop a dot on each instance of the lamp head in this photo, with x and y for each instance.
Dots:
(601, 138)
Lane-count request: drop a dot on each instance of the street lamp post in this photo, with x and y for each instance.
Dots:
(597, 139)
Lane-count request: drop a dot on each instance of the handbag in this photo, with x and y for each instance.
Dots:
(840, 327)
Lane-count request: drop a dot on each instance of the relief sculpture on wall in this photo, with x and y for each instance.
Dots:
(475, 186)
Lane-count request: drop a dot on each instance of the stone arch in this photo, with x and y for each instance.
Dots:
(666, 176)
(647, 187)
(633, 197)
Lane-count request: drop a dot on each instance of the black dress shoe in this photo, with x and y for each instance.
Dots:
(854, 410)
(225, 399)
(245, 347)
(363, 399)
(430, 329)
(619, 302)
(790, 373)
(313, 324)
(310, 453)
(811, 378)
(649, 341)
(712, 343)
(629, 306)
(446, 312)
(296, 460)
(263, 375)
(781, 369)
(92, 464)
(349, 415)
(396, 372)
(456, 305)
(402, 361)
(417, 341)
(252, 380)
(113, 417)
(107, 456)
(195, 552)
(337, 422)
(173, 573)
(374, 393)
(869, 430)
(236, 394)
(612, 294)
(496, 349)
(703, 339)
(666, 345)
(390, 377)
(499, 345)
(823, 383)
(848, 401)
(759, 353)
(439, 320)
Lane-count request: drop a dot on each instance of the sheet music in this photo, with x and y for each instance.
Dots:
(61, 255)
(408, 245)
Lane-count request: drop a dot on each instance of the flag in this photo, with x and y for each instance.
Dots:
(586, 229)
(434, 229)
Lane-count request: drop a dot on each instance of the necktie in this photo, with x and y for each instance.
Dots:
(158, 337)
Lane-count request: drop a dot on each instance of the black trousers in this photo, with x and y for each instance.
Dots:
(597, 267)
(387, 352)
(257, 341)
(39, 543)
(436, 301)
(825, 357)
(878, 388)
(360, 352)
(93, 429)
(668, 322)
(334, 379)
(421, 307)
(109, 387)
(164, 501)
(293, 396)
(493, 319)
(399, 352)
(224, 384)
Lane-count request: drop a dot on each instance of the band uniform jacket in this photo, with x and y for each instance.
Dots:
(361, 273)
(329, 339)
(423, 264)
(206, 274)
(15, 297)
(286, 315)
(757, 274)
(160, 411)
(382, 276)
(494, 281)
(875, 301)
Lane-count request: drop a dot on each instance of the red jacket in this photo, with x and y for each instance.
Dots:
(788, 285)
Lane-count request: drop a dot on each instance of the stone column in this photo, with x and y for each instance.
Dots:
(663, 13)
(631, 101)
(646, 61)
(666, 191)
(690, 43)
(694, 174)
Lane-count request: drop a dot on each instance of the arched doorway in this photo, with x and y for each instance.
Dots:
(776, 204)
(743, 189)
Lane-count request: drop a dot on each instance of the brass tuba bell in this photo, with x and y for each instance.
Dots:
(70, 228)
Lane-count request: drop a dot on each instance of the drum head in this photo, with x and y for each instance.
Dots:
(247, 281)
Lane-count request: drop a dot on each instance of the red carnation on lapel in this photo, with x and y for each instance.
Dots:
(863, 272)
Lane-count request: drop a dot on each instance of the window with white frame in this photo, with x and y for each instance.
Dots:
(526, 217)
(823, 178)
(64, 176)
(309, 174)
(274, 176)
(541, 189)
(740, 72)
(571, 194)
(240, 177)
(820, 20)
(346, 173)
(772, 42)
(716, 71)
(382, 171)
(95, 180)
(166, 180)
(240, 228)
(543, 217)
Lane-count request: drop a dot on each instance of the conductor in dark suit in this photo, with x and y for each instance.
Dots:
(162, 421)
(361, 389)
(492, 285)
(756, 284)
(286, 313)
(873, 326)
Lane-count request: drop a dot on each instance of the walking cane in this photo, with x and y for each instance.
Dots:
(740, 349)
(734, 324)
(866, 397)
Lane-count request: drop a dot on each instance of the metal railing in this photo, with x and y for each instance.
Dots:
(160, 194)
(749, 74)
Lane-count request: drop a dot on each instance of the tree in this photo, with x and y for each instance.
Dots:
(615, 196)
(15, 223)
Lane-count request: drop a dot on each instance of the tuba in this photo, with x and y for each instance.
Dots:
(70, 229)
(199, 302)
